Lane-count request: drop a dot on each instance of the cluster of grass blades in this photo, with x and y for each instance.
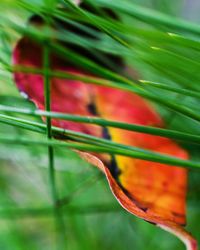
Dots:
(47, 191)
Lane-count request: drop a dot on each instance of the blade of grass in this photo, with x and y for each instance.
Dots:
(60, 225)
(126, 85)
(173, 134)
(181, 91)
(48, 211)
(136, 88)
(150, 16)
(66, 134)
(143, 155)
(89, 17)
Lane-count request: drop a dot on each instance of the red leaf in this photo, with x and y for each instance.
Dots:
(151, 191)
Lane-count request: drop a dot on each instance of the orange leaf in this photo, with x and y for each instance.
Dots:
(128, 204)
(152, 191)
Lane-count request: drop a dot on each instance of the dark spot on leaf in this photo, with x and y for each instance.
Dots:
(92, 109)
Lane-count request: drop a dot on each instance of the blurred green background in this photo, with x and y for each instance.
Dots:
(92, 218)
